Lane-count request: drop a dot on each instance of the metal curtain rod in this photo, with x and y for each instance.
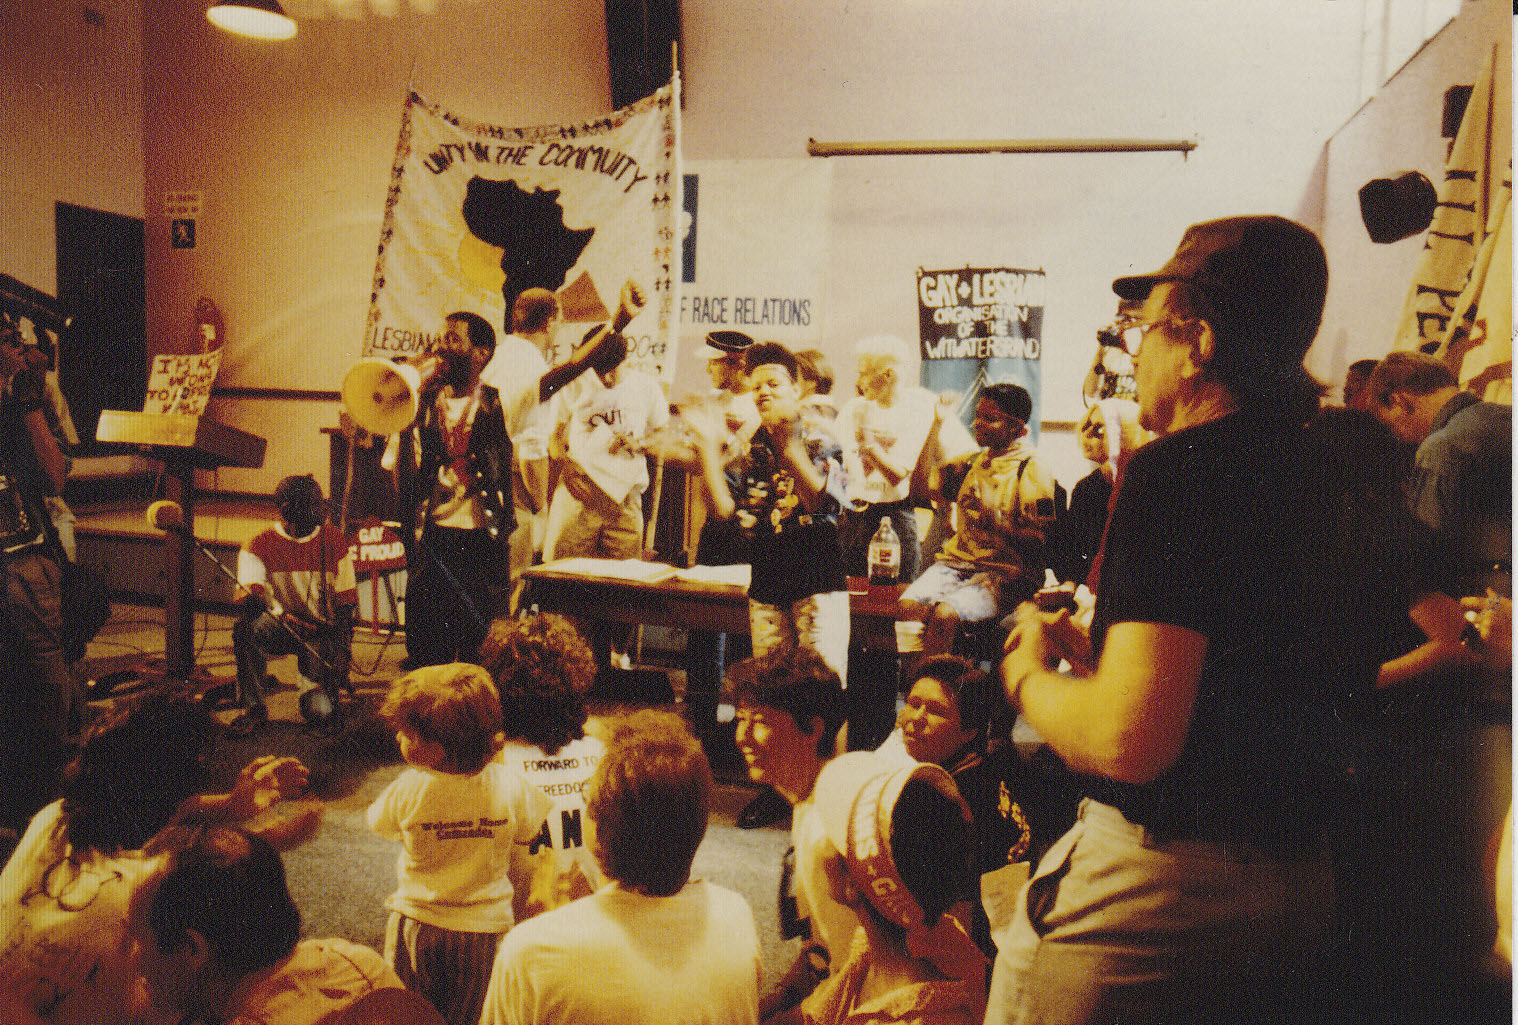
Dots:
(899, 148)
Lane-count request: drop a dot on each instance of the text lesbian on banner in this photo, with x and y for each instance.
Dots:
(478, 213)
(979, 326)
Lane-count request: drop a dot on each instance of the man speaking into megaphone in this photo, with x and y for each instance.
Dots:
(454, 475)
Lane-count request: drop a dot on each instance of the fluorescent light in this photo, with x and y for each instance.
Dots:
(262, 19)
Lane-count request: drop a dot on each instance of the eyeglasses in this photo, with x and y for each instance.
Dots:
(1132, 333)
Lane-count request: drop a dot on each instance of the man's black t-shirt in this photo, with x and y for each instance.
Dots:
(1236, 530)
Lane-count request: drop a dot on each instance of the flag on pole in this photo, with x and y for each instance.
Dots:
(1459, 230)
(478, 213)
(1479, 342)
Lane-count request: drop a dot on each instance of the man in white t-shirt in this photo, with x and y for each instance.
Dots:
(597, 507)
(516, 370)
(653, 945)
(522, 370)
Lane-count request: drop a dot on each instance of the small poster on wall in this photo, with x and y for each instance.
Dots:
(181, 384)
(755, 236)
(978, 326)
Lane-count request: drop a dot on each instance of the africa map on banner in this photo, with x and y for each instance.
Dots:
(478, 213)
(979, 326)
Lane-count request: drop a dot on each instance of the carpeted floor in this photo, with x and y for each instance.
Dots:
(341, 873)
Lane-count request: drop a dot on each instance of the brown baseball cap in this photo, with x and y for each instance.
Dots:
(1265, 276)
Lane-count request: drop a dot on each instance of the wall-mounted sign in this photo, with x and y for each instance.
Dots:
(978, 326)
(181, 384)
(179, 204)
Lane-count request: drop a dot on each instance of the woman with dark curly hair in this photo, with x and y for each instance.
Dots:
(543, 667)
(65, 890)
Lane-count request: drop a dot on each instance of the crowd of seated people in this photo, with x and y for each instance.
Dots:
(1265, 775)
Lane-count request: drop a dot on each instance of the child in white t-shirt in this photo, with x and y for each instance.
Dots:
(459, 814)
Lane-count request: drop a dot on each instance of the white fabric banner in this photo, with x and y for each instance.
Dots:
(1459, 226)
(478, 213)
(755, 236)
(1484, 347)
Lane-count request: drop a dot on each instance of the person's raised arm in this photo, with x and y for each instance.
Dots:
(630, 302)
(791, 449)
(262, 782)
(707, 433)
(1126, 721)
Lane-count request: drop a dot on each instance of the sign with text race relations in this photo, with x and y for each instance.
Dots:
(754, 239)
(979, 326)
(478, 213)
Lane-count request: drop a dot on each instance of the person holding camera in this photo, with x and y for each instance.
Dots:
(40, 699)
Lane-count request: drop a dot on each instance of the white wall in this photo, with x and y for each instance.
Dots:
(1398, 130)
(1258, 86)
(70, 123)
(290, 144)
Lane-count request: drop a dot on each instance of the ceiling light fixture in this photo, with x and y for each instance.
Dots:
(262, 19)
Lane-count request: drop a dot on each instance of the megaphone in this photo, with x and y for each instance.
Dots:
(382, 397)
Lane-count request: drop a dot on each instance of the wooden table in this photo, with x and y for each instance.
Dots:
(682, 604)
(723, 608)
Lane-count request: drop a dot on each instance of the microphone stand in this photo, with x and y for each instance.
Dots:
(205, 550)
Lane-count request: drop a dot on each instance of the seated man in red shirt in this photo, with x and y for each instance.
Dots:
(301, 594)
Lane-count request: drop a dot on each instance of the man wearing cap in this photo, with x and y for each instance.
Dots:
(1196, 884)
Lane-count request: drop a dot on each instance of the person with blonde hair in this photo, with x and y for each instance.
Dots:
(458, 814)
(1109, 434)
(883, 431)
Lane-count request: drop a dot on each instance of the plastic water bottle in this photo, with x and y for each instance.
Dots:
(885, 554)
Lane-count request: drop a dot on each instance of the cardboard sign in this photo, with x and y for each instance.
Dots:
(181, 384)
